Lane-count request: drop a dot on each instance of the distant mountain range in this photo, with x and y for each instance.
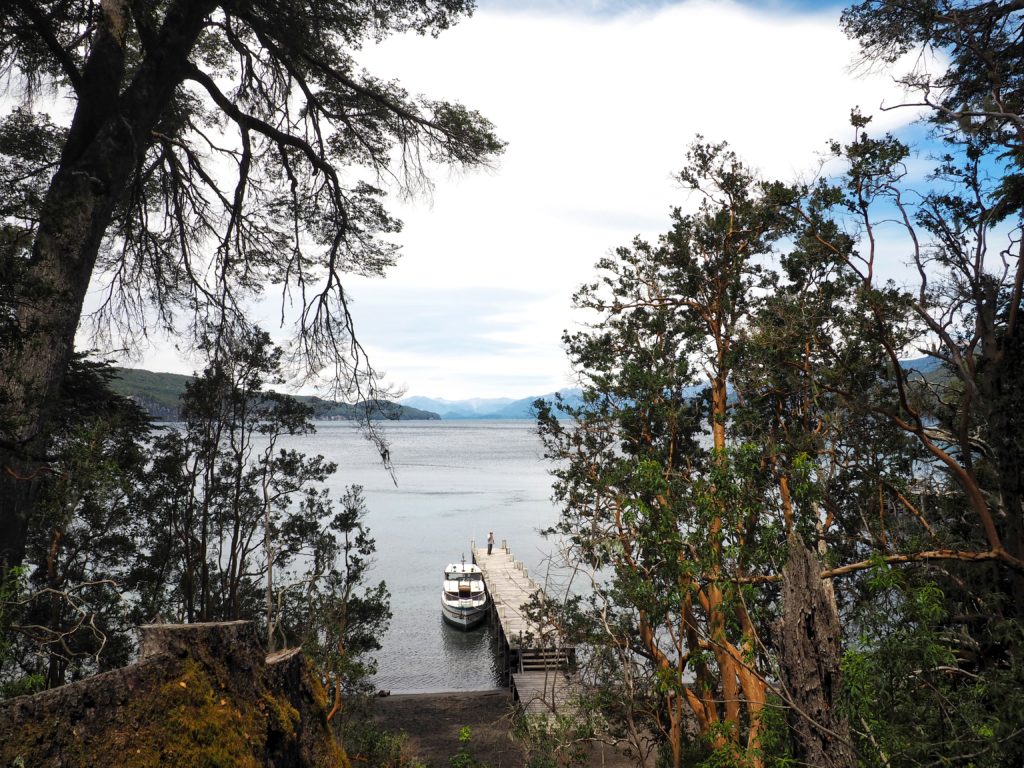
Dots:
(928, 367)
(494, 408)
(160, 394)
(506, 408)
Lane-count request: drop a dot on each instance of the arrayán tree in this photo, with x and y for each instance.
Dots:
(651, 501)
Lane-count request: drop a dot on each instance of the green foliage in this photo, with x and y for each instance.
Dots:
(829, 437)
(773, 753)
(464, 758)
(728, 755)
(977, 96)
(231, 507)
(935, 654)
(24, 138)
(12, 590)
(367, 744)
(917, 685)
(777, 740)
(337, 618)
(210, 521)
(71, 619)
(559, 741)
(655, 499)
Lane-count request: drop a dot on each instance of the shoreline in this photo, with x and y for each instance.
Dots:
(432, 721)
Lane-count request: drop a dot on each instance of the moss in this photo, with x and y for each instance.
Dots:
(330, 753)
(182, 722)
(185, 722)
(284, 718)
(316, 688)
(180, 711)
(205, 729)
(32, 737)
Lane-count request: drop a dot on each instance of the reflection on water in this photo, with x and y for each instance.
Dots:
(477, 650)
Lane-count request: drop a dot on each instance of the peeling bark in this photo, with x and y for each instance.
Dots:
(810, 650)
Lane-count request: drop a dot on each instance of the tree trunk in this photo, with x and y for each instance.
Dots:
(109, 135)
(57, 667)
(20, 484)
(74, 217)
(809, 658)
(1001, 384)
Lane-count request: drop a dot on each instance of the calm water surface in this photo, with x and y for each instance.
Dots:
(456, 480)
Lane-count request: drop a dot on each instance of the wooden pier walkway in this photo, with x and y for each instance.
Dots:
(538, 663)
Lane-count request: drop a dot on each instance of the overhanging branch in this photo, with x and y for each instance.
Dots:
(898, 559)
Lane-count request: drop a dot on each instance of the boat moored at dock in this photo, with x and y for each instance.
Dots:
(464, 601)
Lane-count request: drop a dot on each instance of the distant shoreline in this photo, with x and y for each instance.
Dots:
(160, 393)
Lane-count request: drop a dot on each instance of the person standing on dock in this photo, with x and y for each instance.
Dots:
(490, 541)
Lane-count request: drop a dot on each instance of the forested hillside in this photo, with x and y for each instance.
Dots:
(160, 395)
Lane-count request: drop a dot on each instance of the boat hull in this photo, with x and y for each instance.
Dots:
(464, 617)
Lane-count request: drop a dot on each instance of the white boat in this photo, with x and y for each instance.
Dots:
(464, 602)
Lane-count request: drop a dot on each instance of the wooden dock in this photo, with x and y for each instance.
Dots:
(545, 693)
(538, 663)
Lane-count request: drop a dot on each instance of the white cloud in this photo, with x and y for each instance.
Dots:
(598, 113)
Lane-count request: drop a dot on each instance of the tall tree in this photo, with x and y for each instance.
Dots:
(959, 311)
(334, 614)
(667, 514)
(963, 238)
(819, 465)
(206, 157)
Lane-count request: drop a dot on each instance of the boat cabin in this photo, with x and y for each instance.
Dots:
(462, 581)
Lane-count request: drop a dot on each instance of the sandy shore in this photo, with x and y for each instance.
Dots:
(432, 722)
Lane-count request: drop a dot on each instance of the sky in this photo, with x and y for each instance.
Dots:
(598, 102)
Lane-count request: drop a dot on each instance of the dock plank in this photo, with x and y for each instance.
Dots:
(545, 693)
(511, 590)
(539, 665)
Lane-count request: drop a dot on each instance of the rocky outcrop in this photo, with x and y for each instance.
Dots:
(200, 694)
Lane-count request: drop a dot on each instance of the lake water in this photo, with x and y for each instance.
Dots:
(456, 480)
